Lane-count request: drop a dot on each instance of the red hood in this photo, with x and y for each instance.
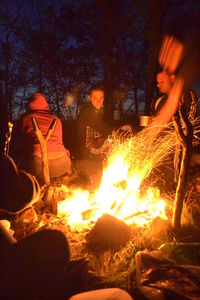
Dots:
(38, 102)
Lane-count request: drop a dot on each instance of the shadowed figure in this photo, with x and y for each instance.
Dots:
(30, 265)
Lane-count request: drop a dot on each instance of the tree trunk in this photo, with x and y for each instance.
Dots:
(186, 144)
(180, 190)
(154, 44)
(108, 66)
(136, 100)
(7, 79)
(108, 61)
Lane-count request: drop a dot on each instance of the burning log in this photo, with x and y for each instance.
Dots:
(89, 213)
(119, 207)
(185, 136)
(138, 213)
(121, 185)
(108, 233)
(52, 195)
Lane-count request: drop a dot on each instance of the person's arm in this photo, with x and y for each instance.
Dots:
(171, 53)
(182, 57)
(170, 107)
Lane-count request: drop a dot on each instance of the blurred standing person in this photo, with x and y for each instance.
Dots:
(187, 103)
(188, 99)
(31, 158)
(180, 54)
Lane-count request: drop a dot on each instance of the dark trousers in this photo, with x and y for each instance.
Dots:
(57, 167)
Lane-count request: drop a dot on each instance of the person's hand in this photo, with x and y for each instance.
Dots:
(171, 53)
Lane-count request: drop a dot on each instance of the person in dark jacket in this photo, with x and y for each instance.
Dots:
(92, 132)
(30, 265)
(31, 157)
(188, 99)
(92, 128)
(187, 103)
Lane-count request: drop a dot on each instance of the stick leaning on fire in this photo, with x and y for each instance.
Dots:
(43, 143)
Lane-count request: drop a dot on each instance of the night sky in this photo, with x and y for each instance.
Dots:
(177, 11)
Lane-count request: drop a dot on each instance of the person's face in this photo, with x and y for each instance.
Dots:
(164, 82)
(97, 98)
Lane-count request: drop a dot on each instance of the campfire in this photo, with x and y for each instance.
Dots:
(127, 213)
(120, 191)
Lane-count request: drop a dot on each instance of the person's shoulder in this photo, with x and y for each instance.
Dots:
(26, 116)
(85, 106)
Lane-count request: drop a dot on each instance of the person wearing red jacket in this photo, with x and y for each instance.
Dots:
(31, 157)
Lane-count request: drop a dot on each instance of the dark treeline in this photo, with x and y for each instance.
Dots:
(62, 47)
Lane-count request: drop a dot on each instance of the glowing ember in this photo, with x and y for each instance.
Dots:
(119, 193)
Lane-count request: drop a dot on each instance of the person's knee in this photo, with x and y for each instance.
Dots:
(46, 251)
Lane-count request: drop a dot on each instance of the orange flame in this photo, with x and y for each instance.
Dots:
(118, 194)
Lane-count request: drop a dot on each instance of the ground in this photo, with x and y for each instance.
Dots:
(111, 267)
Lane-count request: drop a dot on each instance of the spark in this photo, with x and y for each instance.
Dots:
(130, 160)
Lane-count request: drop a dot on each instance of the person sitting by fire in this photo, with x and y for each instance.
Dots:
(29, 265)
(92, 128)
(31, 156)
